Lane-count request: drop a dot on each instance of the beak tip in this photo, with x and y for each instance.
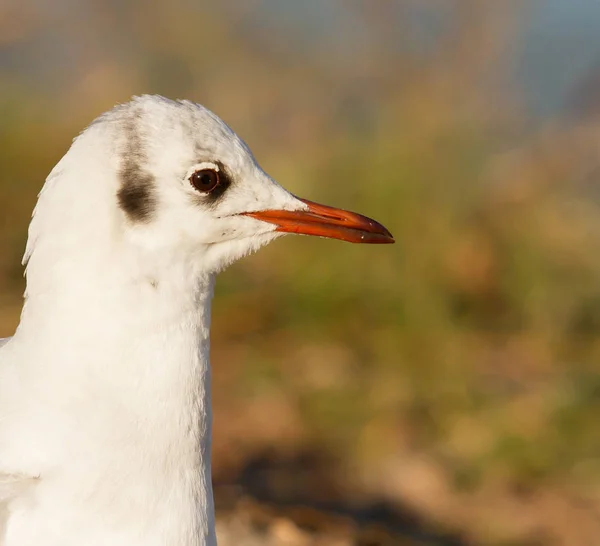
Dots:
(385, 236)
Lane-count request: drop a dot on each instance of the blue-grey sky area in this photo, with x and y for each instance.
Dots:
(557, 50)
(561, 51)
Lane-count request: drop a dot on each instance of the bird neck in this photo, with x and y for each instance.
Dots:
(129, 332)
(125, 366)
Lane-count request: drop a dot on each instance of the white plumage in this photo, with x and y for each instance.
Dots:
(105, 414)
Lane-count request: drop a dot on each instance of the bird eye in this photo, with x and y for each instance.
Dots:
(205, 180)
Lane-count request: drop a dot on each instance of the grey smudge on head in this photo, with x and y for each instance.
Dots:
(137, 194)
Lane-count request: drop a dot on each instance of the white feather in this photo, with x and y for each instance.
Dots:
(105, 414)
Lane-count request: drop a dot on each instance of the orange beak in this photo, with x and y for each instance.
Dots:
(324, 221)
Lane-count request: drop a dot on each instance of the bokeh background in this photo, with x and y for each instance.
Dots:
(444, 390)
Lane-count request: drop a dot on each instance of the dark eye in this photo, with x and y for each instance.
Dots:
(205, 180)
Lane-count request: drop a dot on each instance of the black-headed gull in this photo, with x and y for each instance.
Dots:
(105, 410)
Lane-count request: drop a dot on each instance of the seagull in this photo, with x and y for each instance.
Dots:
(105, 403)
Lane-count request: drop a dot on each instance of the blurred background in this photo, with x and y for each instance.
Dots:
(441, 391)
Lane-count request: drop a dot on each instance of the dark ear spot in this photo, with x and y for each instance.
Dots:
(137, 194)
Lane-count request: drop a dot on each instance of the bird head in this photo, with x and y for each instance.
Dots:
(172, 179)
